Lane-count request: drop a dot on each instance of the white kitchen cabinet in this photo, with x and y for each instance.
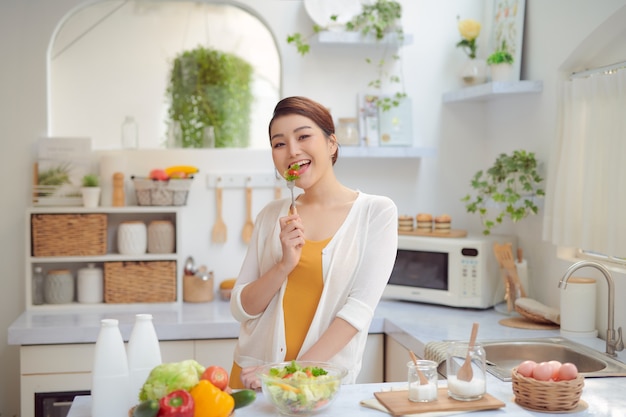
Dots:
(115, 216)
(396, 358)
(61, 368)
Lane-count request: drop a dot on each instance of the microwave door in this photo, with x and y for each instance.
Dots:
(421, 269)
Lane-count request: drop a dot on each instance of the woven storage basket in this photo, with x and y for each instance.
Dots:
(547, 395)
(162, 193)
(69, 234)
(140, 282)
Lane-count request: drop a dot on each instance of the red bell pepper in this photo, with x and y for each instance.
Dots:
(178, 403)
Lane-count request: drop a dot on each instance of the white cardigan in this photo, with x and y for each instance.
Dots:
(356, 265)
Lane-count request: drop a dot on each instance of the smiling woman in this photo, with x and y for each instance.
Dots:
(112, 59)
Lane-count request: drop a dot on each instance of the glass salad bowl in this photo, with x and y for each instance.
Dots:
(301, 388)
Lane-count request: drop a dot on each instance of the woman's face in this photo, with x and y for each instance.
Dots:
(296, 139)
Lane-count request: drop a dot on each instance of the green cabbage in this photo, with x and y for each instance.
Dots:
(169, 377)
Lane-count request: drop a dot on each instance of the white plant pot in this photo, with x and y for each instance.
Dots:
(91, 196)
(501, 72)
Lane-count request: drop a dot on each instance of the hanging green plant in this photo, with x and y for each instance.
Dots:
(512, 183)
(211, 88)
(379, 18)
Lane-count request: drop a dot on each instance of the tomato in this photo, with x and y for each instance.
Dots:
(217, 376)
(158, 175)
(292, 172)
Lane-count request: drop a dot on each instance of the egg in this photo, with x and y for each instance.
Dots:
(568, 371)
(526, 368)
(543, 371)
(556, 365)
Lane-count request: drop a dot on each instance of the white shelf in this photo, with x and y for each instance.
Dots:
(358, 39)
(385, 152)
(493, 90)
(115, 215)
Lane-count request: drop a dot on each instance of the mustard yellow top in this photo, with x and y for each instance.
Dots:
(302, 294)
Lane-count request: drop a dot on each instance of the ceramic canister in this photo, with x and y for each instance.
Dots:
(59, 287)
(132, 238)
(578, 308)
(90, 285)
(161, 236)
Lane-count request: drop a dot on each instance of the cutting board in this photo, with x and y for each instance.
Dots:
(398, 404)
(432, 233)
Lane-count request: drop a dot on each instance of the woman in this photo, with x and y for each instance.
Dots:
(312, 276)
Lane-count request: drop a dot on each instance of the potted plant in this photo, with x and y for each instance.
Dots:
(501, 64)
(210, 92)
(91, 190)
(378, 18)
(509, 188)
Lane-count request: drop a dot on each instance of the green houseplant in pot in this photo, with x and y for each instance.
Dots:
(91, 190)
(501, 64)
(210, 91)
(508, 189)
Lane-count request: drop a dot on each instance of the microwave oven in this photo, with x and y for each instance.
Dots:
(455, 272)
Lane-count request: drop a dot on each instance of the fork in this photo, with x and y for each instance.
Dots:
(292, 208)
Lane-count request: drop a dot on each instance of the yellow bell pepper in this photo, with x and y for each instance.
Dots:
(211, 401)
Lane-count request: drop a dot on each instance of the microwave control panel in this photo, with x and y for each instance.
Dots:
(469, 272)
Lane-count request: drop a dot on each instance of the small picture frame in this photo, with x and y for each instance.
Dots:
(508, 26)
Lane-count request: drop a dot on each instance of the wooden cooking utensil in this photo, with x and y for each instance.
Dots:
(248, 227)
(423, 379)
(465, 372)
(219, 232)
(514, 288)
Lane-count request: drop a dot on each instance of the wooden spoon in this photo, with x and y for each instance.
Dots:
(465, 372)
(423, 379)
(219, 228)
(248, 227)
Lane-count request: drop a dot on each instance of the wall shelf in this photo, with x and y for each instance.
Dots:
(491, 90)
(358, 39)
(385, 152)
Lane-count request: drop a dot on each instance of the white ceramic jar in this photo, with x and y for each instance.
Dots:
(161, 236)
(132, 238)
(59, 287)
(90, 285)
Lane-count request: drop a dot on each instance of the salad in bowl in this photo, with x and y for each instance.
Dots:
(300, 388)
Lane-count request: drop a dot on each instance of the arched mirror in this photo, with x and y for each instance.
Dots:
(113, 59)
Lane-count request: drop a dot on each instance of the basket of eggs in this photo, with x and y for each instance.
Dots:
(547, 386)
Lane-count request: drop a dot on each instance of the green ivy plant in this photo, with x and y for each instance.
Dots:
(513, 183)
(211, 88)
(379, 18)
(500, 56)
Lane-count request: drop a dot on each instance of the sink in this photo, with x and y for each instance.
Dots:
(504, 355)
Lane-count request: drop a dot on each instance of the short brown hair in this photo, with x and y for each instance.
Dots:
(307, 108)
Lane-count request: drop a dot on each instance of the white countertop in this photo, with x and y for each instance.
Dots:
(411, 324)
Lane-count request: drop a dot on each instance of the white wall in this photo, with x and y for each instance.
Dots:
(468, 135)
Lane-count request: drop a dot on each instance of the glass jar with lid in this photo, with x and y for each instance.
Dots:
(348, 131)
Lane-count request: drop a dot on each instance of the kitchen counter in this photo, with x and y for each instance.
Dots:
(411, 324)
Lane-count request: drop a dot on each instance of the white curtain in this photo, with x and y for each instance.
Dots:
(586, 188)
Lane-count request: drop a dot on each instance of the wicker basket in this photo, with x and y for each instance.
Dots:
(140, 282)
(536, 318)
(547, 395)
(162, 193)
(69, 234)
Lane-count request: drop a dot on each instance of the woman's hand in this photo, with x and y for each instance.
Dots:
(249, 378)
(291, 239)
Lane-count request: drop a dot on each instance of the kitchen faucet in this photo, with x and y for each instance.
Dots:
(612, 344)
